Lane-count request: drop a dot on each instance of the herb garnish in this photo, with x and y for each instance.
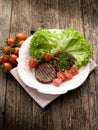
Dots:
(64, 61)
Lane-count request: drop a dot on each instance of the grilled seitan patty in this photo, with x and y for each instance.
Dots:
(45, 72)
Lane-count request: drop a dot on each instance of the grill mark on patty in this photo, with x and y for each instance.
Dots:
(45, 73)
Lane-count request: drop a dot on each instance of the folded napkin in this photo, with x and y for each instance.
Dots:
(42, 99)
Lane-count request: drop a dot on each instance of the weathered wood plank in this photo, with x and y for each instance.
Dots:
(76, 110)
(90, 24)
(45, 15)
(70, 14)
(18, 103)
(38, 118)
(75, 103)
(5, 13)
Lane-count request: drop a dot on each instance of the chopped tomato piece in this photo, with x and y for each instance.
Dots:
(61, 75)
(74, 70)
(68, 75)
(57, 81)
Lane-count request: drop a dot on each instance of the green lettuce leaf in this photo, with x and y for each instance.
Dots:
(68, 40)
(43, 41)
(74, 43)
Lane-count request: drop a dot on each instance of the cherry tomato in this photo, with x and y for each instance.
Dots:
(1, 57)
(33, 63)
(7, 50)
(57, 81)
(48, 57)
(13, 59)
(20, 43)
(61, 75)
(21, 36)
(16, 50)
(68, 75)
(7, 66)
(4, 58)
(11, 41)
(74, 70)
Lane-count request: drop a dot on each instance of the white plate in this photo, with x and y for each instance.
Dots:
(27, 74)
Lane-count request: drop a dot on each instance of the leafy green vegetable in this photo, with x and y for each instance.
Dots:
(68, 40)
(43, 41)
(74, 43)
(64, 61)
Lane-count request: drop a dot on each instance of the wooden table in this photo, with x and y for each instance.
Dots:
(76, 110)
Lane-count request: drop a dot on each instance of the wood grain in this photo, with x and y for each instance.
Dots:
(72, 108)
(76, 110)
(4, 33)
(18, 108)
(90, 26)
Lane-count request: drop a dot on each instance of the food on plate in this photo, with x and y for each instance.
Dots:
(74, 70)
(10, 51)
(57, 81)
(42, 41)
(45, 72)
(32, 63)
(60, 75)
(48, 57)
(68, 40)
(65, 50)
(62, 61)
(65, 75)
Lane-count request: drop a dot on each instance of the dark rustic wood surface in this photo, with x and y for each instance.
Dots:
(76, 110)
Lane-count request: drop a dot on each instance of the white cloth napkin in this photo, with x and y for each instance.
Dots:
(42, 99)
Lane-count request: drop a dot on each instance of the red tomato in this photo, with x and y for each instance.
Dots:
(7, 50)
(32, 63)
(13, 59)
(48, 57)
(20, 43)
(57, 81)
(7, 66)
(16, 50)
(21, 36)
(5, 58)
(68, 75)
(61, 75)
(11, 41)
(74, 70)
(1, 57)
